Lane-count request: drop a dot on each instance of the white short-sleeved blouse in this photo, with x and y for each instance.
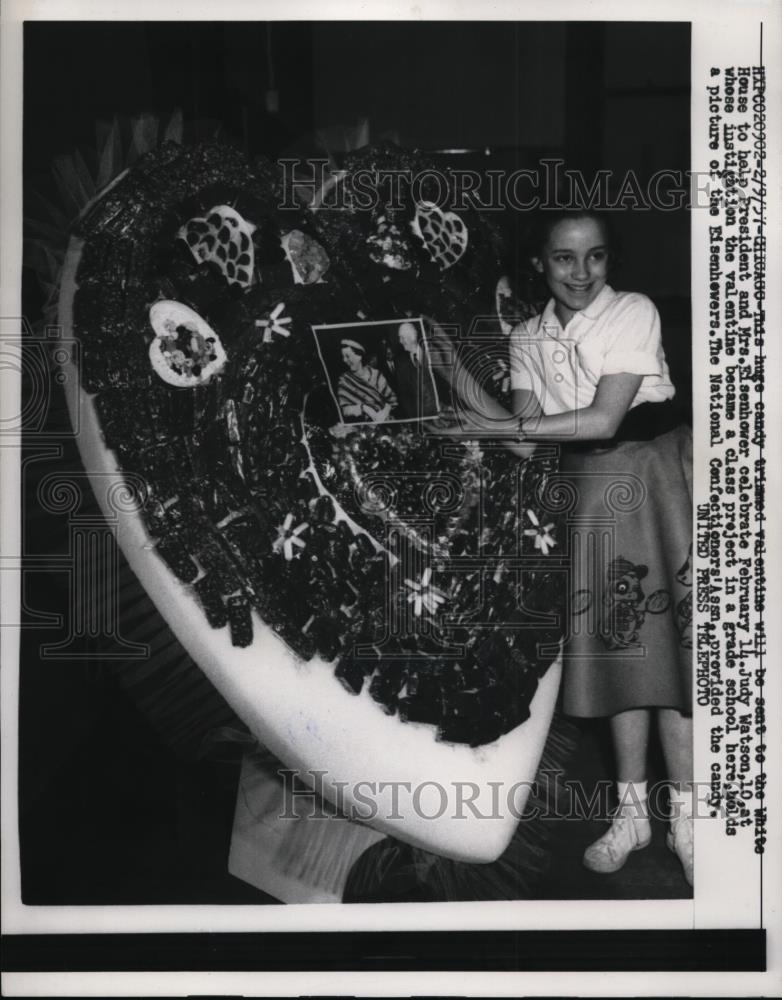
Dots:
(618, 332)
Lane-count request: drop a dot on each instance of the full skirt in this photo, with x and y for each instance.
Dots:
(629, 642)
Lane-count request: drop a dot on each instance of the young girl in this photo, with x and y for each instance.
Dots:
(589, 372)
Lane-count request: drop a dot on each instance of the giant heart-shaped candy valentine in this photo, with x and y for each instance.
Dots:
(444, 234)
(223, 238)
(263, 540)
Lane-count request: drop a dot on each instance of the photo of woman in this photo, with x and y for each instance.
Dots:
(362, 390)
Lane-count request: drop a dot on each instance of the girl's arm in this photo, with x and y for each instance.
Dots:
(480, 412)
(598, 421)
(525, 404)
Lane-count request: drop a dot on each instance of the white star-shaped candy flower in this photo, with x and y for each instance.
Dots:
(288, 537)
(423, 596)
(544, 540)
(274, 323)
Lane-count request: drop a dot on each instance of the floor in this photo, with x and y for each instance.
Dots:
(653, 873)
(122, 820)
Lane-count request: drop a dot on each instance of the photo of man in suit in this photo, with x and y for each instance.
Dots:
(415, 387)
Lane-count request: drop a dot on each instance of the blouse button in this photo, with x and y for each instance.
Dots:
(558, 377)
(558, 357)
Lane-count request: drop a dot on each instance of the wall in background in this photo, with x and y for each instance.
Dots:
(444, 85)
(613, 96)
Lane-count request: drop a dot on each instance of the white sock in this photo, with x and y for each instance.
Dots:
(632, 799)
(681, 801)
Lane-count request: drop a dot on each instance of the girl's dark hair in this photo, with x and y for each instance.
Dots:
(529, 283)
(545, 220)
(526, 242)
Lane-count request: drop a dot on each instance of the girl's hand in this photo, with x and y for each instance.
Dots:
(492, 421)
(436, 336)
(456, 428)
(522, 449)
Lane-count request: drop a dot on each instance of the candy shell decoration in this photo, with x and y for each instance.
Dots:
(307, 258)
(443, 233)
(387, 246)
(223, 238)
(186, 351)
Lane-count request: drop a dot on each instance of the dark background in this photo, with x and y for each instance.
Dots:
(503, 95)
(597, 95)
(111, 809)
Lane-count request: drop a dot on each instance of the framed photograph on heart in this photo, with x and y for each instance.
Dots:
(378, 372)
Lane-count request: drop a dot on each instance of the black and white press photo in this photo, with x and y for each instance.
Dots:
(361, 562)
(386, 487)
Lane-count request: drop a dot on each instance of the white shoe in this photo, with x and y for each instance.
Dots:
(626, 834)
(679, 840)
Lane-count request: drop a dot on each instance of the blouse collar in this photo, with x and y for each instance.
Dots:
(593, 311)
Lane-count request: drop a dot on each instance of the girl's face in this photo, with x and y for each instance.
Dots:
(574, 262)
